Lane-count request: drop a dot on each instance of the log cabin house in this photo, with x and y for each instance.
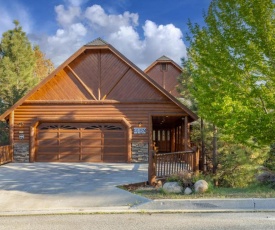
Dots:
(98, 107)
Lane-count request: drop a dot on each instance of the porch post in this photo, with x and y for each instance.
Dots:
(173, 140)
(182, 138)
(11, 124)
(186, 133)
(152, 168)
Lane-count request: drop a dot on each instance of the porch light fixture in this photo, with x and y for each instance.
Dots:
(20, 124)
(139, 124)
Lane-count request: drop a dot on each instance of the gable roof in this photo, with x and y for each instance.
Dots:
(99, 44)
(162, 59)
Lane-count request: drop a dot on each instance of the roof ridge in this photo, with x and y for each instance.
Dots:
(97, 42)
(164, 58)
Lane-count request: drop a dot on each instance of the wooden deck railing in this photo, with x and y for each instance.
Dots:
(5, 154)
(165, 164)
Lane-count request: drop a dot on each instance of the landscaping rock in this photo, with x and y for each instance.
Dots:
(187, 191)
(172, 187)
(201, 186)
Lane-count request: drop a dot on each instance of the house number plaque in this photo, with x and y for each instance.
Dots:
(139, 130)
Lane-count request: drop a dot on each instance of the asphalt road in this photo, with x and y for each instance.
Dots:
(190, 221)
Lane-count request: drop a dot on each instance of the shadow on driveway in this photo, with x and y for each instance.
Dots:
(68, 185)
(54, 178)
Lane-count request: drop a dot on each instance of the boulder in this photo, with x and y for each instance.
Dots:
(187, 191)
(172, 187)
(201, 186)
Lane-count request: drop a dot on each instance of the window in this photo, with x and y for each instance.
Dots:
(164, 66)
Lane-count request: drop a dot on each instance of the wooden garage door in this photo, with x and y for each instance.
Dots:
(87, 142)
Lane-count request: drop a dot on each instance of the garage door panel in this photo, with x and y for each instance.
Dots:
(114, 142)
(116, 159)
(69, 135)
(68, 150)
(47, 142)
(46, 157)
(91, 158)
(87, 142)
(69, 157)
(47, 149)
(44, 135)
(114, 135)
(92, 150)
(115, 149)
(91, 142)
(69, 142)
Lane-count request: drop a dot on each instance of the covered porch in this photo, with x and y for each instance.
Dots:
(172, 150)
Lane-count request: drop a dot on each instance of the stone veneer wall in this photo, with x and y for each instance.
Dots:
(140, 152)
(21, 152)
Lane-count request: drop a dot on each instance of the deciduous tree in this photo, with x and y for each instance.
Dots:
(43, 65)
(232, 61)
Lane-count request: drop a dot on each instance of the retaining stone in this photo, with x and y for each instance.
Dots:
(21, 152)
(139, 152)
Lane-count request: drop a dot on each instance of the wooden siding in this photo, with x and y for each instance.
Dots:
(5, 154)
(98, 75)
(168, 79)
(134, 113)
(61, 88)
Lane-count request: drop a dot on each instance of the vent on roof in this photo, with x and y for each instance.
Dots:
(163, 67)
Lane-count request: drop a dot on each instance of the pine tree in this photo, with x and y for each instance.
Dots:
(17, 62)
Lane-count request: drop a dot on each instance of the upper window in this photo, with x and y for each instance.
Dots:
(164, 66)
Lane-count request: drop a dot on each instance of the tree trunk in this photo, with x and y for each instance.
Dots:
(203, 156)
(215, 153)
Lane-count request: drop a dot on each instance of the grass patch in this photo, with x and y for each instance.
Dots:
(253, 191)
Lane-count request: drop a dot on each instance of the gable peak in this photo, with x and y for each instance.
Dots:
(164, 58)
(97, 42)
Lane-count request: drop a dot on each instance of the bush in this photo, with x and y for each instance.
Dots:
(267, 177)
(184, 177)
(4, 133)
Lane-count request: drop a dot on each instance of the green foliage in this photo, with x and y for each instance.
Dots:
(184, 178)
(238, 164)
(266, 177)
(270, 161)
(17, 62)
(231, 60)
(4, 133)
(43, 66)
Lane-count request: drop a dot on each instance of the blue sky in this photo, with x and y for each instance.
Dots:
(142, 30)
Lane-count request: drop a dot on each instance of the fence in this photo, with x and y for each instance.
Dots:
(165, 164)
(5, 154)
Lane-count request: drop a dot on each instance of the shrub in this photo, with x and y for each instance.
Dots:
(184, 177)
(267, 177)
(4, 133)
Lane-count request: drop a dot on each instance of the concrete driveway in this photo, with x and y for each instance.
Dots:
(65, 186)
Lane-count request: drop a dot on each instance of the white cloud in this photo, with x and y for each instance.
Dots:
(65, 42)
(158, 40)
(78, 25)
(109, 23)
(65, 17)
(163, 40)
